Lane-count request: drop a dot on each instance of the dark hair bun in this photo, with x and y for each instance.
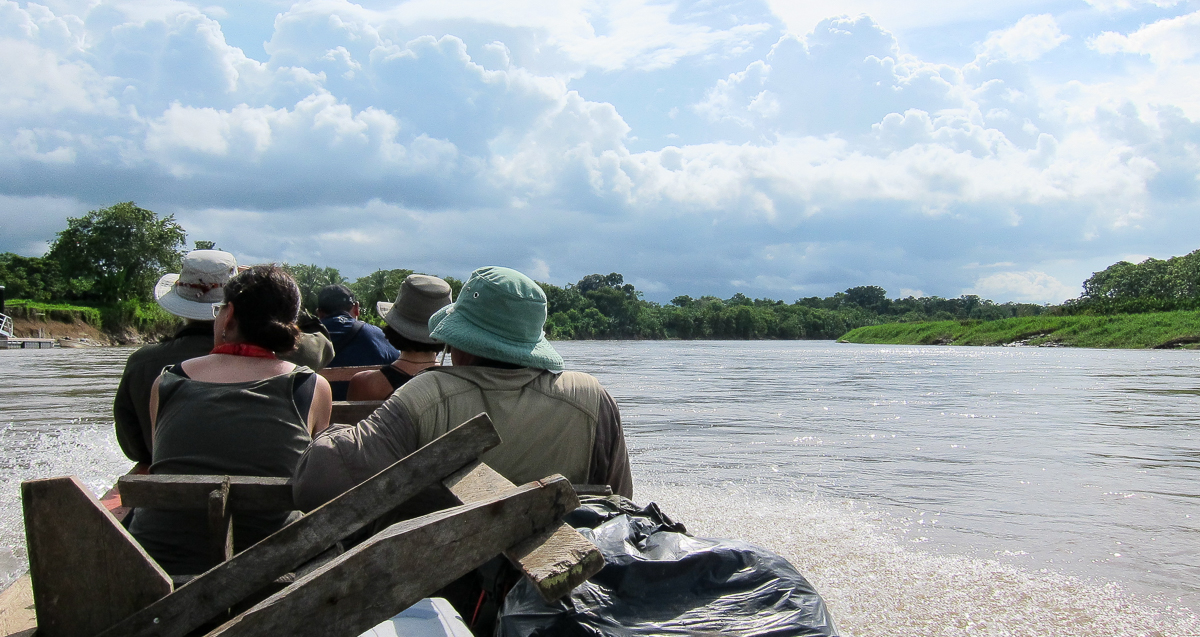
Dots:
(277, 336)
(266, 302)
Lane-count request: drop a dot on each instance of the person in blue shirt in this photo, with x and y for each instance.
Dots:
(355, 343)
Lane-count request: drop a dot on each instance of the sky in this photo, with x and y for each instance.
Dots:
(777, 148)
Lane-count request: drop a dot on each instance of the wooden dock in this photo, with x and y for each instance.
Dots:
(27, 343)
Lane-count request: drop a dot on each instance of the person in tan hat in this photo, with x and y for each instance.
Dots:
(407, 329)
(190, 295)
(549, 420)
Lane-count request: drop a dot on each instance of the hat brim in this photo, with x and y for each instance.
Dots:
(406, 327)
(454, 329)
(165, 295)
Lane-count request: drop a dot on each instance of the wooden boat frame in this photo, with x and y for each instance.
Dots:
(89, 577)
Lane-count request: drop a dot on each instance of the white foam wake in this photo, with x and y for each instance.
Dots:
(877, 583)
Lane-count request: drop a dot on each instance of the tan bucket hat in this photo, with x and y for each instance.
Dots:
(419, 297)
(201, 283)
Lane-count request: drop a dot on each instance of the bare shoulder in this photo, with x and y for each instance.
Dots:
(222, 368)
(369, 385)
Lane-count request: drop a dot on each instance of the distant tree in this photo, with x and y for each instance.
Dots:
(31, 278)
(594, 282)
(562, 300)
(310, 279)
(455, 286)
(118, 252)
(868, 297)
(205, 245)
(380, 285)
(739, 299)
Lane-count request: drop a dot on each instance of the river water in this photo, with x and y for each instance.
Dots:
(923, 490)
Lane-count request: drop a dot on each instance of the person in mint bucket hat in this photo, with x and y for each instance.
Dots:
(499, 316)
(549, 420)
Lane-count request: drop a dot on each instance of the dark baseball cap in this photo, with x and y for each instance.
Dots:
(333, 299)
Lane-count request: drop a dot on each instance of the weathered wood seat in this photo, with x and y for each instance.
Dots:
(344, 374)
(76, 585)
(349, 412)
(555, 565)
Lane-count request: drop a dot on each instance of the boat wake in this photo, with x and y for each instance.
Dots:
(874, 571)
(88, 452)
(876, 581)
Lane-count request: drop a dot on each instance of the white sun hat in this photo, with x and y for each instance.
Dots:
(192, 293)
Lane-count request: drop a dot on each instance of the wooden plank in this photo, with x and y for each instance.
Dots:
(184, 492)
(220, 522)
(112, 498)
(87, 572)
(17, 616)
(350, 412)
(402, 564)
(247, 572)
(345, 373)
(555, 561)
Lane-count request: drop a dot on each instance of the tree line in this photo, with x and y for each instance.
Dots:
(1154, 285)
(113, 256)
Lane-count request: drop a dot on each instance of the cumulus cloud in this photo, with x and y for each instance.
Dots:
(1029, 286)
(1110, 6)
(426, 136)
(1169, 41)
(1029, 39)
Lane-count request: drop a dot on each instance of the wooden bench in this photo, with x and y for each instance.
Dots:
(344, 374)
(349, 412)
(89, 577)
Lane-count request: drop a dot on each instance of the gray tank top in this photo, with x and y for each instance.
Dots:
(246, 429)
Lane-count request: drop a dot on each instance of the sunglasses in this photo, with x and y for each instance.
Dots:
(217, 307)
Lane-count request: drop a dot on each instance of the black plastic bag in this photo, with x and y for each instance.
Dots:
(658, 580)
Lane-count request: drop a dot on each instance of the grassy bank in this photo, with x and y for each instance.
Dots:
(1158, 329)
(125, 322)
(61, 312)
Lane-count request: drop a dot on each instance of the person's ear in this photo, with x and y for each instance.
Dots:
(224, 325)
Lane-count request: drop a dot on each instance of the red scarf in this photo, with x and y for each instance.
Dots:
(243, 349)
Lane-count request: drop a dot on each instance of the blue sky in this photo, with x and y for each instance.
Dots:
(781, 148)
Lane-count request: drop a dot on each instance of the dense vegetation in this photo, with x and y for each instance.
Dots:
(1148, 304)
(101, 267)
(604, 306)
(109, 259)
(1153, 285)
(1147, 330)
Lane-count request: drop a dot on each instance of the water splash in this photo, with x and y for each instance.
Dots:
(87, 452)
(877, 582)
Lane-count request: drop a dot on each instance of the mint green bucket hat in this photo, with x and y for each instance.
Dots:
(499, 315)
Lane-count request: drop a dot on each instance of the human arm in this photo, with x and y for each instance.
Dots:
(321, 407)
(610, 458)
(344, 456)
(129, 425)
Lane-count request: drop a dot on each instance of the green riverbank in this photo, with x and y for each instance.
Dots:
(1130, 331)
(124, 323)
